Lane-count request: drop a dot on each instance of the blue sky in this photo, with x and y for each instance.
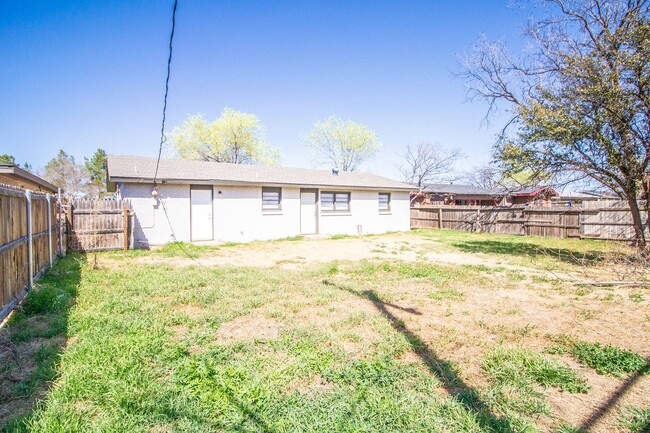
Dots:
(81, 75)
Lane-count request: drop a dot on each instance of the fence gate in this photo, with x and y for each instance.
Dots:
(98, 224)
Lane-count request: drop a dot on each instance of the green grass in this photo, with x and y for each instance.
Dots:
(446, 294)
(127, 368)
(605, 359)
(636, 420)
(341, 347)
(522, 367)
(36, 335)
(516, 374)
(558, 254)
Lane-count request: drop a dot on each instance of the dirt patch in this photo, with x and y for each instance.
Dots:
(298, 255)
(178, 332)
(18, 364)
(249, 328)
(310, 386)
(191, 310)
(597, 409)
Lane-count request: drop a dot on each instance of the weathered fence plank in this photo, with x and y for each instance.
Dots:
(611, 221)
(29, 238)
(98, 224)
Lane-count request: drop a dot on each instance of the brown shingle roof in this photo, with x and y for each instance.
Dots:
(141, 170)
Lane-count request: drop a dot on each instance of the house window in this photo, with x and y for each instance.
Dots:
(384, 202)
(271, 198)
(335, 201)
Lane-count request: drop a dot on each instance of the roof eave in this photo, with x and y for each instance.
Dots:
(253, 183)
(26, 175)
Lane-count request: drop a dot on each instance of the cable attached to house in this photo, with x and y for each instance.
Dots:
(154, 193)
(164, 111)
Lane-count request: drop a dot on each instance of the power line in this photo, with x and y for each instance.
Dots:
(164, 112)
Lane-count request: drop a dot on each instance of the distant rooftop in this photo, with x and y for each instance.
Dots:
(460, 189)
(142, 170)
(452, 188)
(11, 174)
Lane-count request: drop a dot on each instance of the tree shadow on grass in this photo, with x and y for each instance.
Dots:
(602, 410)
(531, 250)
(33, 339)
(442, 369)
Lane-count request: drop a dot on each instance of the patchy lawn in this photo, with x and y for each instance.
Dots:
(427, 331)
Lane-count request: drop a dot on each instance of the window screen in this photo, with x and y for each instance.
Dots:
(335, 201)
(384, 201)
(271, 198)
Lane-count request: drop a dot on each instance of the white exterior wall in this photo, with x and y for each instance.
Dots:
(364, 212)
(238, 215)
(151, 226)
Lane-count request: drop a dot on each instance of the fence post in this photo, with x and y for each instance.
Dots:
(49, 226)
(30, 247)
(125, 224)
(70, 226)
(60, 223)
(440, 218)
(524, 223)
(478, 220)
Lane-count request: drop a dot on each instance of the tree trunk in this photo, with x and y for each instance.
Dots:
(646, 193)
(637, 221)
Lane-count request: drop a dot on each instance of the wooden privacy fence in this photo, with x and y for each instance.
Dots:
(610, 220)
(31, 237)
(98, 224)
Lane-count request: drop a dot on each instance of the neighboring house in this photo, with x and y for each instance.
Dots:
(469, 195)
(13, 175)
(457, 194)
(578, 198)
(539, 195)
(204, 201)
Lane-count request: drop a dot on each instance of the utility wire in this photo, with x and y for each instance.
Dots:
(164, 112)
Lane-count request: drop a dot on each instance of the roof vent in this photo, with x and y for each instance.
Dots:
(335, 171)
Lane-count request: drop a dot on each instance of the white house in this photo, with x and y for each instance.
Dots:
(209, 201)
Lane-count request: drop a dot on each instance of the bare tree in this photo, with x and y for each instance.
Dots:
(579, 96)
(427, 163)
(65, 173)
(488, 176)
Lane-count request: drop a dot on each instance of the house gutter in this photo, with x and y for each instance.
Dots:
(249, 183)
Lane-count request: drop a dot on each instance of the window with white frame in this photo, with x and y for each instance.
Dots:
(271, 198)
(334, 201)
(384, 202)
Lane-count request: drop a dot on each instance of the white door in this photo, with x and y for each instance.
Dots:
(201, 211)
(308, 213)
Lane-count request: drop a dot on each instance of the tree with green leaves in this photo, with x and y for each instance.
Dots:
(342, 144)
(96, 167)
(235, 137)
(579, 97)
(7, 159)
(65, 173)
